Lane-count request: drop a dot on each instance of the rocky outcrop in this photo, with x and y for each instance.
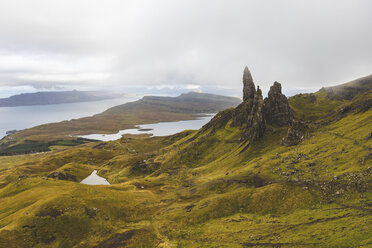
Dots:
(256, 120)
(240, 114)
(254, 113)
(277, 111)
(296, 134)
(249, 88)
(249, 114)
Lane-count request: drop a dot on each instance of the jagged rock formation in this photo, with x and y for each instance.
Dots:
(256, 120)
(249, 89)
(277, 110)
(240, 114)
(254, 113)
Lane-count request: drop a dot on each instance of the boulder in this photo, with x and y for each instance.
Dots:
(297, 132)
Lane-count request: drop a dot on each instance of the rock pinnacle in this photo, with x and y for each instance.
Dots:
(249, 88)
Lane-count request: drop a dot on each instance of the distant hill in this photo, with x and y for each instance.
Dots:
(192, 102)
(55, 97)
(349, 90)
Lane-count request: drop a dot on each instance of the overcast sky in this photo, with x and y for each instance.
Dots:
(172, 45)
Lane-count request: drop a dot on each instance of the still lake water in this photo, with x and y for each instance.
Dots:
(156, 129)
(29, 116)
(94, 179)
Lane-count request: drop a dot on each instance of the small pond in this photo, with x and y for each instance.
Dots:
(94, 179)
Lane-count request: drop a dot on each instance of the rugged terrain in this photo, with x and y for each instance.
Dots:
(272, 172)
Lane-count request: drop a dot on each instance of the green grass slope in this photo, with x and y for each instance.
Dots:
(201, 188)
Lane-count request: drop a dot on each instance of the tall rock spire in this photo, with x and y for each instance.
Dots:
(249, 88)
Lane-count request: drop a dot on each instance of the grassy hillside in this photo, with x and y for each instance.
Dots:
(202, 188)
(350, 89)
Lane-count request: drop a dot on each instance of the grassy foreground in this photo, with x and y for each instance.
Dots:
(201, 188)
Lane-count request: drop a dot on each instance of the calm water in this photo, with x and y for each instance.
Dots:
(94, 179)
(157, 129)
(29, 116)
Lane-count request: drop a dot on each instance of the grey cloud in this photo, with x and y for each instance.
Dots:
(143, 43)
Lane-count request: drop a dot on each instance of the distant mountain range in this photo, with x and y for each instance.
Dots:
(55, 97)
